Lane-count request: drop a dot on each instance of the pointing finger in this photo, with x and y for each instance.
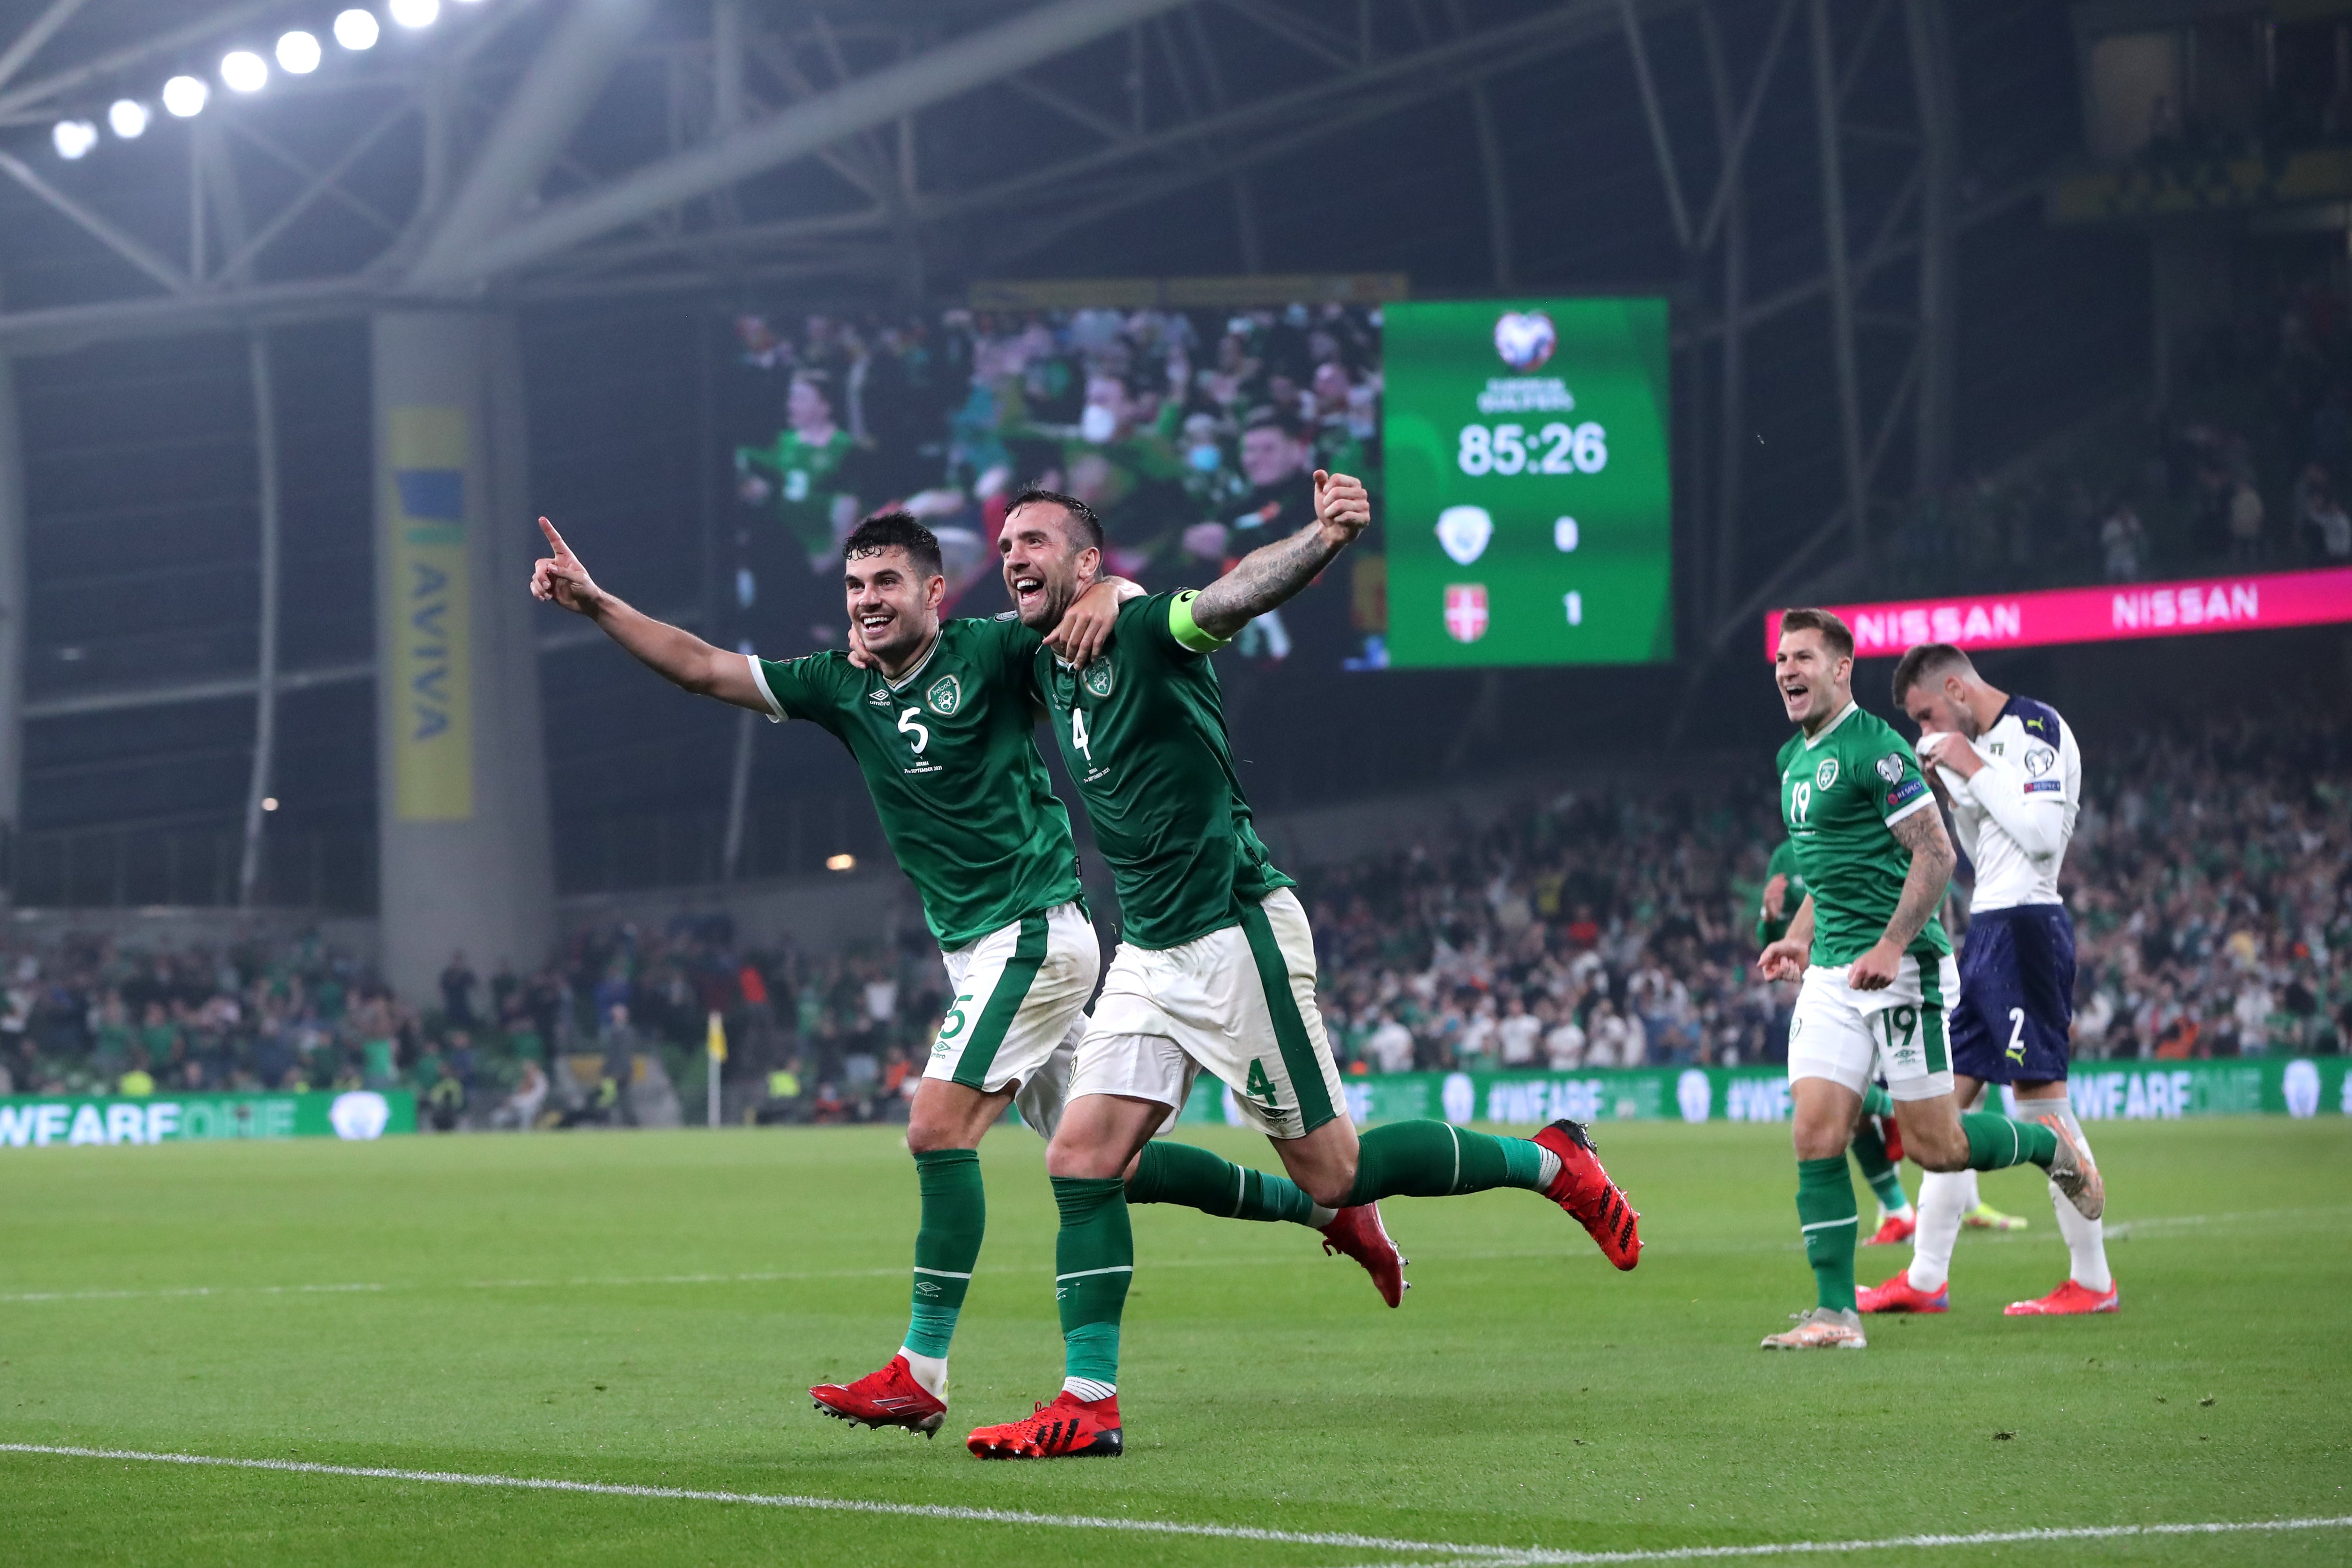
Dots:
(554, 540)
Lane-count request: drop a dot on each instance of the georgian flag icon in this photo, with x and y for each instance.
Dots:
(1465, 611)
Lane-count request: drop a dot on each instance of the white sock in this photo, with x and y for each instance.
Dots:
(1943, 1198)
(929, 1372)
(1885, 1214)
(1970, 1200)
(1319, 1217)
(2087, 1239)
(1547, 1168)
(1088, 1389)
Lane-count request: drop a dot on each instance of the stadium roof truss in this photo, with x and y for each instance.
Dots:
(534, 152)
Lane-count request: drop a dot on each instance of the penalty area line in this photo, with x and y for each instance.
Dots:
(1447, 1555)
(1487, 1557)
(1452, 1551)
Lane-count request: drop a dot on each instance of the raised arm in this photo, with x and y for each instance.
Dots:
(1267, 576)
(1932, 860)
(675, 655)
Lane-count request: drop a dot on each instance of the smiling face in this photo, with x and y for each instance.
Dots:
(1047, 565)
(806, 407)
(894, 604)
(1815, 682)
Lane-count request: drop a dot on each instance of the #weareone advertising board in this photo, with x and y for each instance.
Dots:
(1529, 497)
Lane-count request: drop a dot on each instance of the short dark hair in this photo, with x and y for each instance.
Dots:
(1832, 628)
(1090, 527)
(1269, 417)
(895, 531)
(1924, 660)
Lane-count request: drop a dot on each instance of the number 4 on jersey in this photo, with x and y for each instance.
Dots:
(1258, 1085)
(1078, 733)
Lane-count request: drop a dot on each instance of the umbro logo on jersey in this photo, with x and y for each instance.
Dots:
(945, 696)
(879, 697)
(1826, 774)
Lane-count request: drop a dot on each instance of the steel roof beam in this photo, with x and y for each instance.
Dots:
(953, 68)
(554, 97)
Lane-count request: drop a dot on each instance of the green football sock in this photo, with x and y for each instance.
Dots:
(1870, 1152)
(1876, 1100)
(955, 1217)
(1825, 1209)
(1437, 1159)
(1180, 1173)
(1094, 1259)
(1996, 1141)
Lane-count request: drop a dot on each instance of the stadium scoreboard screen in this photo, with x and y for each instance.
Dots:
(1527, 483)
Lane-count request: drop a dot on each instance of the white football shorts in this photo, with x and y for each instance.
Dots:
(1849, 1037)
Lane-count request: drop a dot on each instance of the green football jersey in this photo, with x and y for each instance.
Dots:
(949, 755)
(1842, 792)
(806, 478)
(1143, 731)
(1782, 864)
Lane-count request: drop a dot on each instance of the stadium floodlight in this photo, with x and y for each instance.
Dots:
(415, 13)
(242, 71)
(128, 119)
(184, 97)
(72, 137)
(356, 29)
(299, 52)
(840, 863)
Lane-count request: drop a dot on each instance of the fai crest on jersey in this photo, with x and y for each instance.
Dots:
(1098, 679)
(1826, 774)
(1890, 768)
(1465, 611)
(1464, 532)
(945, 696)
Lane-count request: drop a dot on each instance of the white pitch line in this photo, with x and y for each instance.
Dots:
(1538, 1556)
(1454, 1550)
(1452, 1554)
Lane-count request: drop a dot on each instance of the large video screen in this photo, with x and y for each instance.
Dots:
(1193, 429)
(1528, 511)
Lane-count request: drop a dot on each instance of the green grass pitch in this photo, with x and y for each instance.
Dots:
(646, 1309)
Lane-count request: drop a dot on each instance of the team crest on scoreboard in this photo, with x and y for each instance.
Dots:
(1890, 768)
(1465, 611)
(945, 696)
(1098, 679)
(1826, 774)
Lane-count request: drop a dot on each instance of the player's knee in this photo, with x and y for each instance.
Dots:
(1937, 1151)
(1332, 1189)
(1083, 1159)
(927, 1135)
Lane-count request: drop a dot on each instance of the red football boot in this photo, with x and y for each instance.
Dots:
(1896, 1295)
(2069, 1300)
(1068, 1428)
(1896, 1230)
(1891, 1131)
(1358, 1233)
(1591, 1199)
(890, 1398)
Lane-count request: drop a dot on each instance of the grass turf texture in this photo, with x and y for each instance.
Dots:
(564, 1306)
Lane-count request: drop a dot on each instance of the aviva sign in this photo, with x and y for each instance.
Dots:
(431, 668)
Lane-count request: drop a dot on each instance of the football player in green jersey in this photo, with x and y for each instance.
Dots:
(1784, 891)
(1879, 979)
(1215, 969)
(937, 716)
(804, 471)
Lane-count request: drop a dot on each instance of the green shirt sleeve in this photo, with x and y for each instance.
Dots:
(809, 687)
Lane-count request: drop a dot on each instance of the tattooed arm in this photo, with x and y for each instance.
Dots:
(1932, 860)
(1267, 576)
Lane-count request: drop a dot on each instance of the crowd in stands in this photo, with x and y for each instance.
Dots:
(2249, 471)
(1192, 434)
(2210, 879)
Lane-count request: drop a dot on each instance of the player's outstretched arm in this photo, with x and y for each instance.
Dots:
(1932, 860)
(675, 655)
(1267, 576)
